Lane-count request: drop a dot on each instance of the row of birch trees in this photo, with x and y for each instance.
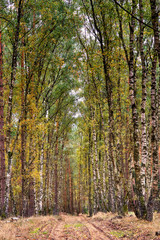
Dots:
(37, 76)
(121, 116)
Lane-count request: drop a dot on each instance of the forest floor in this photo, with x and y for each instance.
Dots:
(66, 227)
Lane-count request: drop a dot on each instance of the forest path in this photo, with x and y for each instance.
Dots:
(101, 226)
(96, 233)
(76, 227)
(65, 227)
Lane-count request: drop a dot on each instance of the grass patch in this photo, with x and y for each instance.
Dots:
(121, 234)
(78, 225)
(67, 225)
(35, 231)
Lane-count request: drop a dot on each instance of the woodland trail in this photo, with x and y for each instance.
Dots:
(78, 228)
(66, 227)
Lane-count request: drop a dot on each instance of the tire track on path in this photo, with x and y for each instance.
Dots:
(96, 233)
(57, 232)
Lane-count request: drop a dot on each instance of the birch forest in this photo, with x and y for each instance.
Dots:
(79, 107)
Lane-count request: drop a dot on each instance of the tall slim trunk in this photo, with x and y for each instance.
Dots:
(23, 129)
(56, 210)
(144, 151)
(105, 48)
(61, 177)
(8, 184)
(31, 182)
(31, 209)
(154, 110)
(105, 158)
(70, 187)
(140, 208)
(10, 98)
(2, 149)
(79, 187)
(41, 176)
(89, 176)
(65, 186)
(97, 166)
(47, 162)
(95, 187)
(35, 203)
(121, 191)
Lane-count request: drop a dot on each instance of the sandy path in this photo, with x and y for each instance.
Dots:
(95, 232)
(57, 232)
(91, 231)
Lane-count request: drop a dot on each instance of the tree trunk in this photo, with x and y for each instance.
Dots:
(61, 177)
(99, 191)
(79, 187)
(23, 128)
(56, 210)
(95, 188)
(65, 186)
(154, 112)
(10, 99)
(31, 194)
(41, 176)
(140, 207)
(2, 149)
(144, 152)
(70, 187)
(8, 184)
(89, 177)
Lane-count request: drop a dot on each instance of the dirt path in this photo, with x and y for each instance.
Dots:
(67, 227)
(71, 228)
(57, 232)
(96, 233)
(77, 227)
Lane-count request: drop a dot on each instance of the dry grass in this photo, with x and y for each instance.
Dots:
(103, 216)
(129, 227)
(22, 227)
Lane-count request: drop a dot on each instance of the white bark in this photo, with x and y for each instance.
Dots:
(8, 184)
(41, 179)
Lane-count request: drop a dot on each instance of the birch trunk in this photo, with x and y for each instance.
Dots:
(23, 128)
(79, 187)
(70, 187)
(140, 208)
(144, 153)
(2, 149)
(41, 177)
(95, 190)
(46, 187)
(154, 111)
(105, 159)
(8, 184)
(97, 170)
(89, 176)
(10, 98)
(56, 210)
(65, 187)
(61, 177)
